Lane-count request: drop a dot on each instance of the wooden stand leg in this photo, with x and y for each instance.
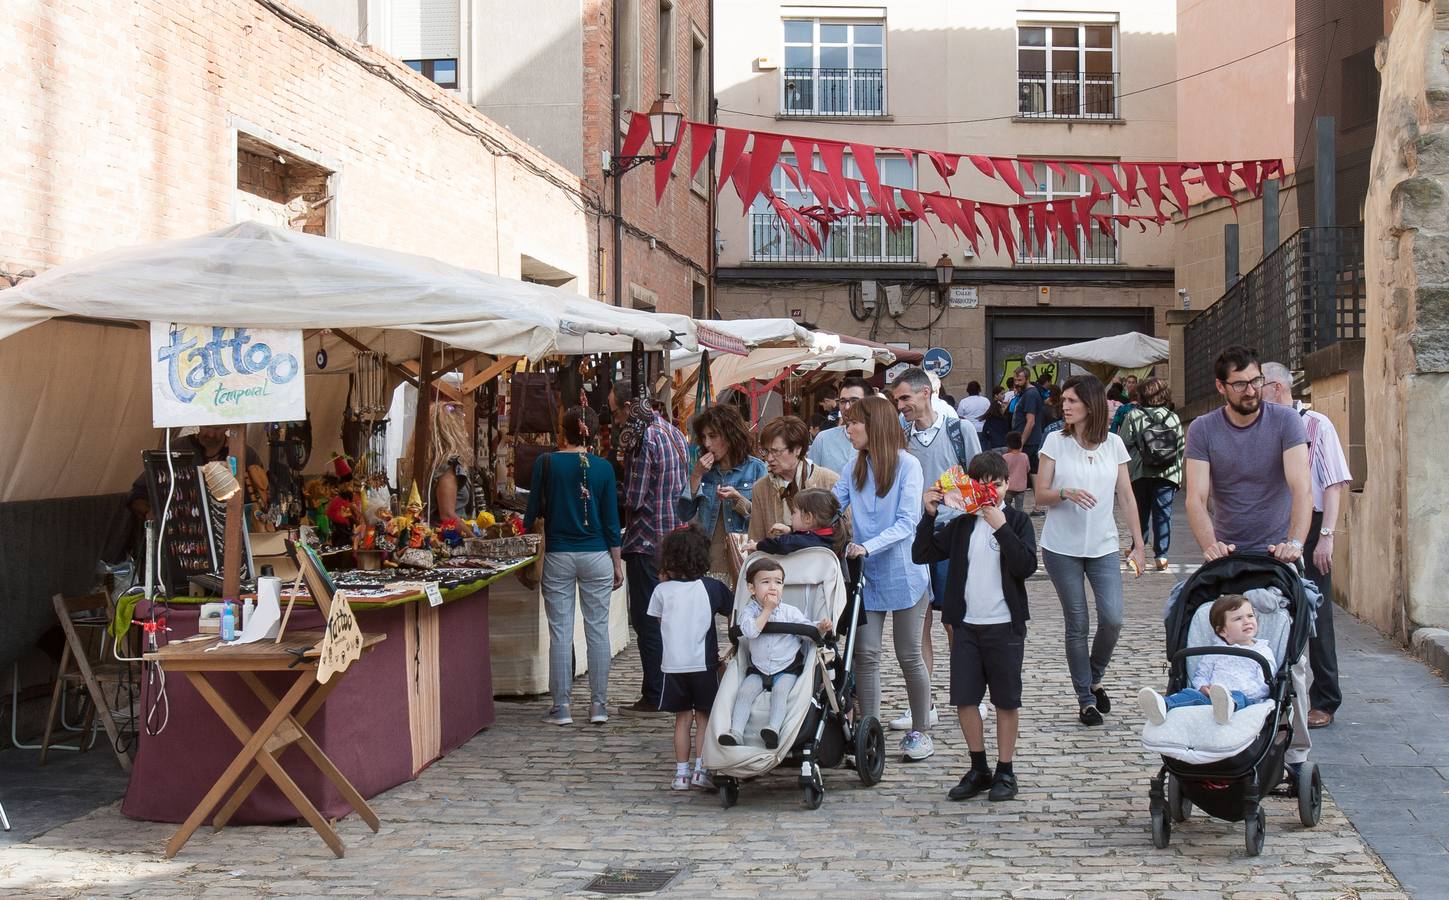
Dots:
(54, 702)
(252, 744)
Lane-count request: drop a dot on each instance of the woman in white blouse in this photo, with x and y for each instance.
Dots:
(1083, 480)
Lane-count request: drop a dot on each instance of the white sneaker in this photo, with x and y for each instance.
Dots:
(680, 782)
(559, 715)
(599, 714)
(1222, 703)
(917, 746)
(905, 721)
(1153, 706)
(701, 780)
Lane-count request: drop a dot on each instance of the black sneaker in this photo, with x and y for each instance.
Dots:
(771, 738)
(1090, 716)
(1104, 703)
(1003, 787)
(972, 783)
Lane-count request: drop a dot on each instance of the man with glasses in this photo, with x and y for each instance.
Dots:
(1251, 458)
(831, 448)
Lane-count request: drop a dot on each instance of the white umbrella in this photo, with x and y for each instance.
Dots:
(1132, 353)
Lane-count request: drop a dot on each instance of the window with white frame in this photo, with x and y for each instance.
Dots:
(1066, 70)
(853, 239)
(1096, 248)
(833, 68)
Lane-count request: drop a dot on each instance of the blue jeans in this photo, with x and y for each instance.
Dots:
(589, 577)
(1194, 697)
(642, 573)
(1154, 503)
(938, 583)
(1069, 575)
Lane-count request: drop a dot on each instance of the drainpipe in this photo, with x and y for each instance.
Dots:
(618, 182)
(711, 211)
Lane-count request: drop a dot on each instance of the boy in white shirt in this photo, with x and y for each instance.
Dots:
(1229, 683)
(776, 660)
(686, 602)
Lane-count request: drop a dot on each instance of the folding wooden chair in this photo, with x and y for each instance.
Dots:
(91, 672)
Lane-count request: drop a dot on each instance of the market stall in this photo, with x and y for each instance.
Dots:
(1132, 353)
(354, 323)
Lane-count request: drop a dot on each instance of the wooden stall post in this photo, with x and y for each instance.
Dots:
(232, 548)
(423, 431)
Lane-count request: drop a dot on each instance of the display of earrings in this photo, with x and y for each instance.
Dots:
(186, 547)
(369, 408)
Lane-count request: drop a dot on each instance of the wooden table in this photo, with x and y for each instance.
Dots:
(279, 730)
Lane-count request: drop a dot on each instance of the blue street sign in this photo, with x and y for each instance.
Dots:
(938, 362)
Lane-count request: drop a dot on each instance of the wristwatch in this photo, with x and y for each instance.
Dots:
(1325, 532)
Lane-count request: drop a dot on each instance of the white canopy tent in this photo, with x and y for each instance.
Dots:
(1131, 353)
(774, 345)
(76, 396)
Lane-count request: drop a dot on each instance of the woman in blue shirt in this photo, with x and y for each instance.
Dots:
(721, 484)
(576, 495)
(883, 492)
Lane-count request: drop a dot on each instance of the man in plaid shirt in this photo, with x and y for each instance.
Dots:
(655, 475)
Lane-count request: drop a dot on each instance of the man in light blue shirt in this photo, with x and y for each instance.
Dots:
(831, 449)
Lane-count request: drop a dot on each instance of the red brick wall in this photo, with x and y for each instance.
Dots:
(681, 220)
(119, 117)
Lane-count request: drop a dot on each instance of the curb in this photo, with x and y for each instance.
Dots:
(1432, 646)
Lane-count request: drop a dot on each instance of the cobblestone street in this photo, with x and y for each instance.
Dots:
(528, 810)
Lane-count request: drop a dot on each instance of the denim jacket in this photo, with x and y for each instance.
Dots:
(703, 508)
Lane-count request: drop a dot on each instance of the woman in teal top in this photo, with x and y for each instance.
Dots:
(721, 484)
(575, 494)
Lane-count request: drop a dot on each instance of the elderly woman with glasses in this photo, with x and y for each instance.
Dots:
(783, 442)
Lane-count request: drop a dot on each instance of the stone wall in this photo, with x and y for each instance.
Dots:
(1400, 529)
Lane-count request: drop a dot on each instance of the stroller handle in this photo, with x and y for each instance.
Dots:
(809, 632)
(1181, 656)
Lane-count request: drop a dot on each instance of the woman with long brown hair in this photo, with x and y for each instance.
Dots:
(721, 483)
(1084, 469)
(883, 489)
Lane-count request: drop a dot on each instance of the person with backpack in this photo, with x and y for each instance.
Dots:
(938, 443)
(1154, 436)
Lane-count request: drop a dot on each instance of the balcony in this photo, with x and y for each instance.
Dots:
(1068, 94)
(833, 93)
(1097, 249)
(853, 241)
(1305, 296)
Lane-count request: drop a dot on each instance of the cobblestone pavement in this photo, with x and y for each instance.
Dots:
(528, 810)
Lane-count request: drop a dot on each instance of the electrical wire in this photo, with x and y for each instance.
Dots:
(1016, 115)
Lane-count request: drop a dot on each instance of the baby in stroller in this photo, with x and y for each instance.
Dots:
(1227, 683)
(776, 660)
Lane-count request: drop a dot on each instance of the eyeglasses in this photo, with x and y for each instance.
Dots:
(1238, 387)
(771, 452)
(847, 401)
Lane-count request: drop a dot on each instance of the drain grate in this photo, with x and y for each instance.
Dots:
(631, 881)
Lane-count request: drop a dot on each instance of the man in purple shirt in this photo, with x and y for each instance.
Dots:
(655, 474)
(1251, 458)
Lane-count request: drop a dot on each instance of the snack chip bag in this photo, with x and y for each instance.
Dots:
(964, 493)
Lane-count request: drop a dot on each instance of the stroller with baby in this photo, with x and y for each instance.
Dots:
(1227, 770)
(820, 728)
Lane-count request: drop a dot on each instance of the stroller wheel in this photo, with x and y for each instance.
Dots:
(812, 788)
(729, 794)
(1161, 827)
(1178, 805)
(870, 751)
(1255, 825)
(1310, 794)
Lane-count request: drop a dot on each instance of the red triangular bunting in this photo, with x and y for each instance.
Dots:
(764, 153)
(701, 138)
(945, 164)
(662, 169)
(734, 148)
(636, 136)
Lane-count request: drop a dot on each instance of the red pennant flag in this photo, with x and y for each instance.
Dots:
(1107, 172)
(794, 175)
(1028, 171)
(1057, 169)
(819, 184)
(1173, 171)
(984, 164)
(833, 155)
(888, 209)
(1022, 211)
(1082, 206)
(734, 149)
(989, 212)
(740, 177)
(943, 209)
(853, 188)
(865, 162)
(945, 164)
(1248, 173)
(1217, 177)
(967, 210)
(635, 137)
(1104, 225)
(701, 139)
(918, 209)
(1041, 223)
(1152, 181)
(804, 150)
(1130, 171)
(1008, 174)
(764, 153)
(662, 169)
(1067, 221)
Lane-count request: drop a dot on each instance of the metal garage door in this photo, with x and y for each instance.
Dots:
(1012, 333)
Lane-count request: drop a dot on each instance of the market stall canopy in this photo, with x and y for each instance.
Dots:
(1132, 352)
(773, 345)
(257, 276)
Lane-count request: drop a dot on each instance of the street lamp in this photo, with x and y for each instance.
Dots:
(945, 272)
(665, 120)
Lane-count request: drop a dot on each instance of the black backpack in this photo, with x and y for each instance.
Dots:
(1158, 442)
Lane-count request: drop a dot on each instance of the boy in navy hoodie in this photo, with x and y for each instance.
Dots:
(991, 554)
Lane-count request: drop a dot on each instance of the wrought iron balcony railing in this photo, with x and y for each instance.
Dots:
(1304, 296)
(833, 92)
(1097, 249)
(854, 240)
(1067, 94)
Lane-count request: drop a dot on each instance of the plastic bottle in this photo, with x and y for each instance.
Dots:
(246, 610)
(228, 622)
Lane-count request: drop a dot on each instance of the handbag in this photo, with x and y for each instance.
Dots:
(531, 576)
(533, 405)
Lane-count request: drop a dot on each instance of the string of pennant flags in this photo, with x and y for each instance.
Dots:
(749, 158)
